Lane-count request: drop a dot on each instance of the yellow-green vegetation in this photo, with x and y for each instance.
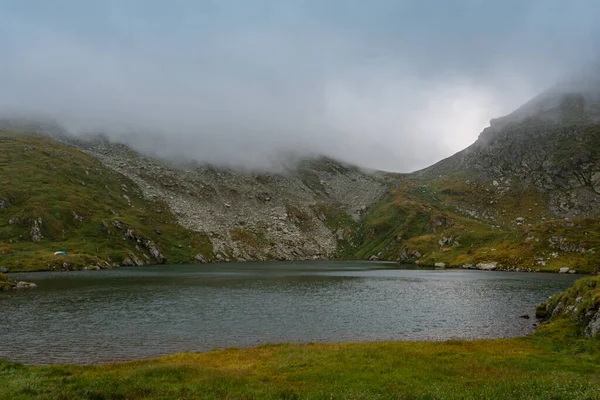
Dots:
(540, 367)
(577, 308)
(4, 282)
(55, 197)
(458, 222)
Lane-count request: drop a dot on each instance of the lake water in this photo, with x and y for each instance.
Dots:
(131, 313)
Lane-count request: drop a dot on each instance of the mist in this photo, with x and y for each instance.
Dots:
(387, 85)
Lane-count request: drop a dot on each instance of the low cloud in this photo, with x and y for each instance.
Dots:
(383, 85)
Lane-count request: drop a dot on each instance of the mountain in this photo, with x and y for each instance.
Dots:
(107, 205)
(524, 196)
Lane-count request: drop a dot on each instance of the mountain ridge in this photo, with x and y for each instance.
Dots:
(524, 196)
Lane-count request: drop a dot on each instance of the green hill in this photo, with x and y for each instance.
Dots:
(54, 197)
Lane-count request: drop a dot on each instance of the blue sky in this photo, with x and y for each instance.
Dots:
(395, 85)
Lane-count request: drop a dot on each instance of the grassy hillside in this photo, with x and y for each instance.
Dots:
(557, 362)
(524, 197)
(437, 221)
(54, 197)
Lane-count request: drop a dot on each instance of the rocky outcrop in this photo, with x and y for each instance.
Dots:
(579, 305)
(143, 243)
(35, 234)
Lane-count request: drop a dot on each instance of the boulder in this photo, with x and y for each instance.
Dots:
(487, 266)
(440, 265)
(25, 285)
(564, 270)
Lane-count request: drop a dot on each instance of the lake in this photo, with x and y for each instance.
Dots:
(132, 313)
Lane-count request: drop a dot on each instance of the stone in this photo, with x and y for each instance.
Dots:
(440, 265)
(200, 258)
(35, 234)
(487, 266)
(3, 270)
(564, 270)
(373, 258)
(25, 285)
(593, 328)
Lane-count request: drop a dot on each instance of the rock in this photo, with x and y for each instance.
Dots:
(200, 258)
(373, 258)
(4, 203)
(35, 234)
(3, 270)
(440, 265)
(128, 262)
(77, 217)
(25, 285)
(593, 328)
(487, 266)
(572, 271)
(564, 270)
(155, 252)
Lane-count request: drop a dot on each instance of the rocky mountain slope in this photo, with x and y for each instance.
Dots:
(525, 195)
(107, 205)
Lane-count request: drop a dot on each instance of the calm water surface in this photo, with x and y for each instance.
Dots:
(124, 314)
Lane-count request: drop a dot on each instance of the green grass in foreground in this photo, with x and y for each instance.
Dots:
(544, 366)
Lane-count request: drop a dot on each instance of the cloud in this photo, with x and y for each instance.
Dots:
(384, 84)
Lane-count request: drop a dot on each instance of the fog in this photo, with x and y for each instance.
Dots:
(383, 84)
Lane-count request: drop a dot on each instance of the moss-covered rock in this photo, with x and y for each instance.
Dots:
(578, 306)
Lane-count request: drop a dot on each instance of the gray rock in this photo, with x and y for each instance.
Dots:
(25, 285)
(3, 270)
(440, 265)
(593, 327)
(487, 266)
(35, 234)
(373, 258)
(564, 270)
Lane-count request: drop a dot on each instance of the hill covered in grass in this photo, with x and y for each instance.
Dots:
(54, 197)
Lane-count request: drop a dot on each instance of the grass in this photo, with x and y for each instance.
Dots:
(82, 207)
(419, 213)
(491, 369)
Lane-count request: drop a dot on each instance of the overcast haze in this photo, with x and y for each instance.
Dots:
(394, 85)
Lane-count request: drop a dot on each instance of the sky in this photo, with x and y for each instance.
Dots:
(392, 85)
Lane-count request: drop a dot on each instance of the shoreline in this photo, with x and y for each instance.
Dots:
(414, 265)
